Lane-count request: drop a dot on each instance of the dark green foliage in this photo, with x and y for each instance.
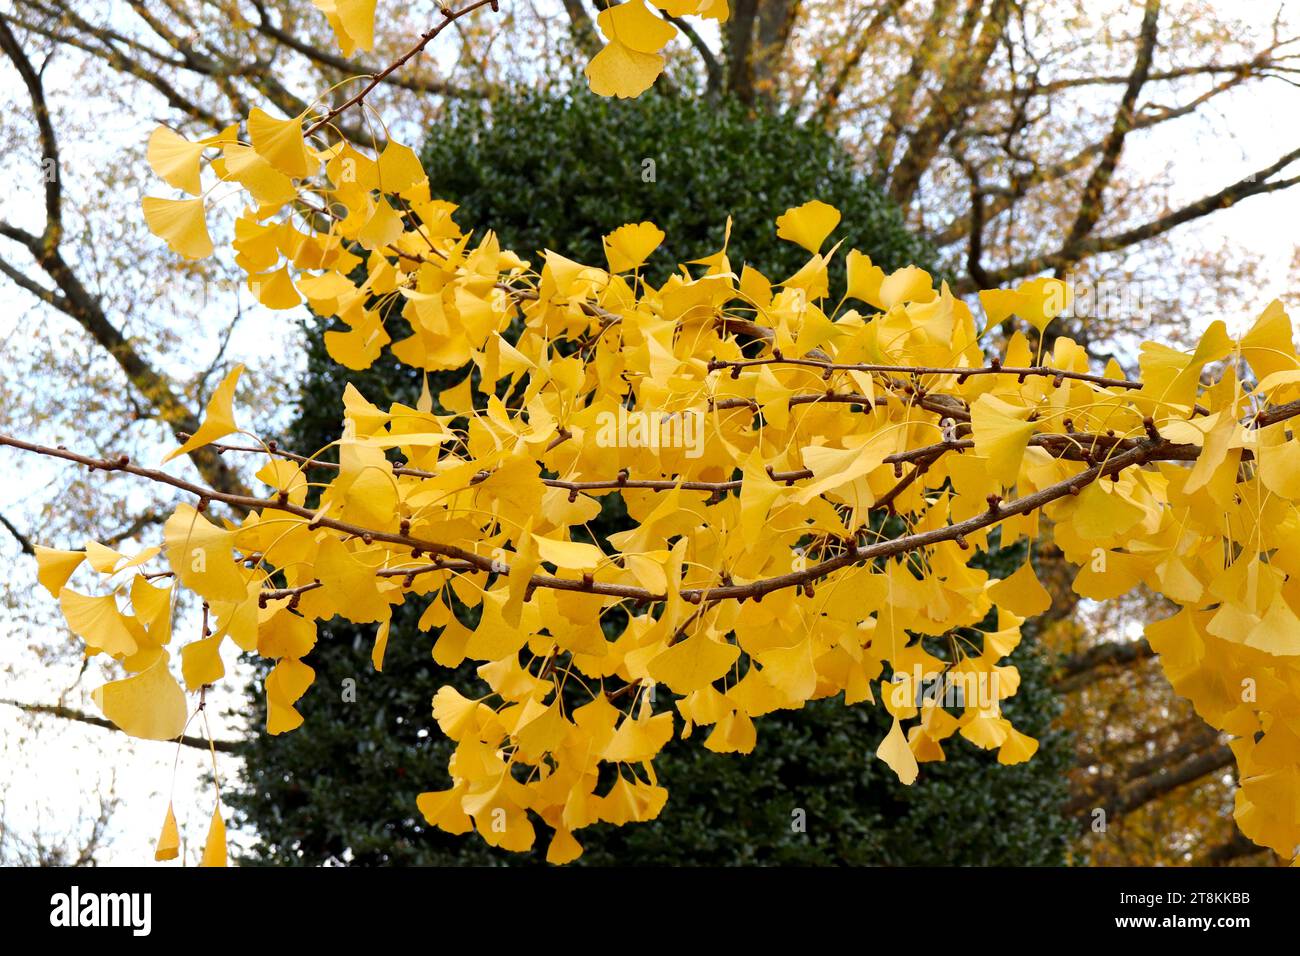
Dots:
(559, 174)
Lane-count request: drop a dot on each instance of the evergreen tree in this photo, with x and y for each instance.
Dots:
(560, 173)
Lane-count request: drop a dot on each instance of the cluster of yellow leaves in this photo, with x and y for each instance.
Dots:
(818, 432)
(631, 60)
(514, 466)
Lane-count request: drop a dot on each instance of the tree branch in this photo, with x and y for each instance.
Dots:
(1092, 665)
(81, 717)
(1091, 202)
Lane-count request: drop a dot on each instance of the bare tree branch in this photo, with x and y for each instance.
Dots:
(1096, 663)
(81, 717)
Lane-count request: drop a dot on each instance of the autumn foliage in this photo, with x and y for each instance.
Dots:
(811, 470)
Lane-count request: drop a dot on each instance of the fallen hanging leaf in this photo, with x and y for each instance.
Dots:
(214, 850)
(169, 840)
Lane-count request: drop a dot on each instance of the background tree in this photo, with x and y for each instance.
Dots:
(541, 169)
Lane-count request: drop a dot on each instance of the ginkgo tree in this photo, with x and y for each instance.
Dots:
(811, 473)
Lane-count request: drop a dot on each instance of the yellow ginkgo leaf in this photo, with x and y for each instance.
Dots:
(200, 555)
(808, 225)
(631, 62)
(53, 567)
(275, 289)
(1042, 300)
(908, 284)
(564, 848)
(1000, 304)
(734, 733)
(381, 644)
(442, 809)
(637, 740)
(864, 278)
(627, 247)
(214, 848)
(1021, 593)
(382, 228)
(350, 583)
(285, 685)
(286, 476)
(201, 662)
(361, 345)
(169, 840)
(347, 45)
(620, 71)
(286, 635)
(279, 142)
(1279, 469)
(175, 159)
(693, 663)
(833, 468)
(218, 417)
(895, 752)
(455, 713)
(102, 558)
(399, 167)
(358, 19)
(1017, 748)
(149, 705)
(573, 555)
(98, 622)
(180, 223)
(1001, 434)
(543, 733)
(633, 25)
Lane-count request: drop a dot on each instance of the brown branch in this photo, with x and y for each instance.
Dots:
(1000, 199)
(1140, 452)
(905, 87)
(1094, 664)
(1256, 184)
(68, 713)
(73, 298)
(449, 17)
(1045, 371)
(24, 542)
(1141, 792)
(355, 68)
(712, 68)
(1091, 201)
(1235, 848)
(53, 233)
(951, 104)
(830, 98)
